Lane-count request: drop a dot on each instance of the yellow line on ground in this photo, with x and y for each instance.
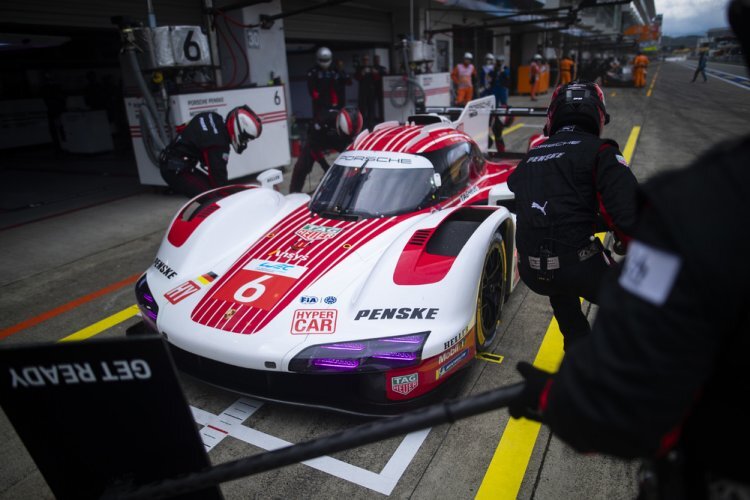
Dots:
(508, 466)
(653, 82)
(613, 94)
(630, 145)
(102, 325)
(513, 128)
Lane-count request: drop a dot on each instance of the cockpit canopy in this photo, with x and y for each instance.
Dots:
(366, 184)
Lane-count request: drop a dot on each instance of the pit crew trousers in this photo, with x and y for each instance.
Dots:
(581, 279)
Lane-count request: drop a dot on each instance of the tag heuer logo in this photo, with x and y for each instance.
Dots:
(312, 232)
(404, 384)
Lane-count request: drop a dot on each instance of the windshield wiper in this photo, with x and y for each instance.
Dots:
(332, 214)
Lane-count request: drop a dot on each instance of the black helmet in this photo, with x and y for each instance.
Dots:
(578, 103)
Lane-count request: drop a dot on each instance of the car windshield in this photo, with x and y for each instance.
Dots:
(366, 191)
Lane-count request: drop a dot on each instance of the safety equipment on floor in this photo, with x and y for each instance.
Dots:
(243, 125)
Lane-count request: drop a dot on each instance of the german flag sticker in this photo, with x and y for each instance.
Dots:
(207, 278)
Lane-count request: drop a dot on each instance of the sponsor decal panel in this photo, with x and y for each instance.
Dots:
(397, 313)
(450, 352)
(469, 193)
(314, 232)
(314, 321)
(164, 268)
(455, 340)
(450, 365)
(293, 256)
(207, 278)
(404, 384)
(181, 292)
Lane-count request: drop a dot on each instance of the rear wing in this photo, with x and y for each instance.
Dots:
(474, 118)
(452, 112)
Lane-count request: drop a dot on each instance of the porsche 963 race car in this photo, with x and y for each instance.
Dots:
(368, 297)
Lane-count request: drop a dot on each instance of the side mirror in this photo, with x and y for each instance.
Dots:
(270, 178)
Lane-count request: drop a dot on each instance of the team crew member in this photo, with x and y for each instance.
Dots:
(322, 83)
(500, 81)
(640, 63)
(334, 131)
(701, 68)
(535, 73)
(664, 373)
(196, 160)
(559, 187)
(463, 76)
(567, 67)
(485, 75)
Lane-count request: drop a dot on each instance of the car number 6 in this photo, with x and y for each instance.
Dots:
(255, 285)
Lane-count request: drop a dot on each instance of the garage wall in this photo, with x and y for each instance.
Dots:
(96, 13)
(337, 23)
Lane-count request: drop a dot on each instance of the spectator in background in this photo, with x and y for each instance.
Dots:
(485, 75)
(535, 71)
(463, 76)
(321, 83)
(343, 80)
(500, 81)
(369, 79)
(701, 67)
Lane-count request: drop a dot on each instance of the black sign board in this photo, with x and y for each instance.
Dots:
(101, 413)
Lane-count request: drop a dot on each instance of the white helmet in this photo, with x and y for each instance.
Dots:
(468, 55)
(538, 57)
(489, 57)
(243, 126)
(324, 56)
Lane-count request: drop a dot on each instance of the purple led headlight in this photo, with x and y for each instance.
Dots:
(146, 303)
(374, 355)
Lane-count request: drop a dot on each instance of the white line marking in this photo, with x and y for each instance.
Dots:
(215, 429)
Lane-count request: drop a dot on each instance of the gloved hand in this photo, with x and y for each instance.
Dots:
(619, 247)
(536, 382)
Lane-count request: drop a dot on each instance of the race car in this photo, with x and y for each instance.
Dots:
(370, 296)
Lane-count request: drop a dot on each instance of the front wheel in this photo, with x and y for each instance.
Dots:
(492, 289)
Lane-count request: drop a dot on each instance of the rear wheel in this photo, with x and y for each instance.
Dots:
(492, 290)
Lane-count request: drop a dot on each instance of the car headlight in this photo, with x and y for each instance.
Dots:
(375, 355)
(146, 303)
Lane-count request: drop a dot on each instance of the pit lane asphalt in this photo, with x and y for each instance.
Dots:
(54, 261)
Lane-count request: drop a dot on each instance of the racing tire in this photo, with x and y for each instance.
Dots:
(492, 292)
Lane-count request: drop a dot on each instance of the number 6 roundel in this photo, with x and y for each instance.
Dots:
(260, 284)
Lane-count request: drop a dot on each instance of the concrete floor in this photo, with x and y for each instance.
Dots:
(55, 260)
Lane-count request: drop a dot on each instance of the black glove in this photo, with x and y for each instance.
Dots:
(619, 247)
(535, 382)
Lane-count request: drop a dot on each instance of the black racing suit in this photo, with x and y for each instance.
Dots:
(321, 135)
(322, 85)
(559, 188)
(665, 367)
(204, 141)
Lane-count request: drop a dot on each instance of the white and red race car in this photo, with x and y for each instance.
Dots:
(368, 297)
